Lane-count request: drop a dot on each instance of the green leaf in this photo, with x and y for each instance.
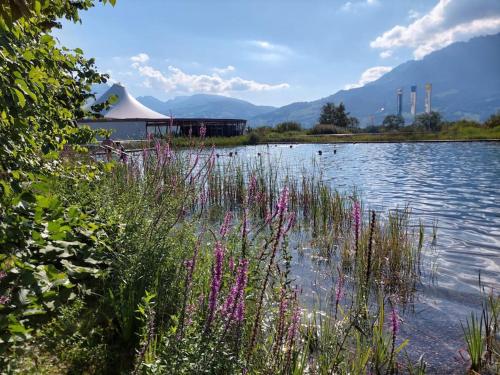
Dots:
(28, 55)
(401, 347)
(38, 6)
(45, 39)
(20, 97)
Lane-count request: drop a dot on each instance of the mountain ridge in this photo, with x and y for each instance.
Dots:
(465, 78)
(205, 105)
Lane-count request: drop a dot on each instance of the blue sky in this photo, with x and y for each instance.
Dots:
(268, 52)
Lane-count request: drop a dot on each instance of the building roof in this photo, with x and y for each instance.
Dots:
(126, 107)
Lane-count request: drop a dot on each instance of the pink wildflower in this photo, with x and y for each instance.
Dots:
(294, 326)
(252, 190)
(225, 227)
(216, 282)
(394, 321)
(357, 217)
(203, 131)
(283, 201)
(233, 308)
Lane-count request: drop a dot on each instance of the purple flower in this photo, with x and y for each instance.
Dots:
(233, 309)
(252, 189)
(224, 229)
(357, 217)
(3, 275)
(216, 282)
(203, 131)
(294, 325)
(283, 201)
(394, 321)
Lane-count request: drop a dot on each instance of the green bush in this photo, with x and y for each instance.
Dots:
(493, 121)
(288, 126)
(253, 138)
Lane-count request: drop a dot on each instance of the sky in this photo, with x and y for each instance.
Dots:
(271, 52)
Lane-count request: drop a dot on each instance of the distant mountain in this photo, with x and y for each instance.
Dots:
(202, 105)
(465, 79)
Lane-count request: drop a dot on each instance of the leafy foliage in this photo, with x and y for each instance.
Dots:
(288, 126)
(51, 250)
(393, 122)
(493, 121)
(337, 115)
(429, 121)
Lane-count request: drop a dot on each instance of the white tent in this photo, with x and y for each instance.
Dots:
(126, 106)
(126, 117)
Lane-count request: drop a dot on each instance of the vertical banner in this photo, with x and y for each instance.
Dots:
(413, 100)
(428, 94)
(400, 102)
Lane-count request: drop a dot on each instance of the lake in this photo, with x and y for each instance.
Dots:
(455, 186)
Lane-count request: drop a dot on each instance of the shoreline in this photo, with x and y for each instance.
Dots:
(226, 143)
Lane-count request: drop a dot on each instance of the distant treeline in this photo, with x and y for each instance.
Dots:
(336, 120)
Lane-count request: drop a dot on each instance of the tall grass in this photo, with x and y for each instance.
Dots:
(199, 275)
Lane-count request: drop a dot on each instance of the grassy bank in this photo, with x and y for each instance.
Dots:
(462, 131)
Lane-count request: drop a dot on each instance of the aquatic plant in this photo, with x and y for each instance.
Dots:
(473, 334)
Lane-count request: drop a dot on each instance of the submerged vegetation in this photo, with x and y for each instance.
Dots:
(174, 262)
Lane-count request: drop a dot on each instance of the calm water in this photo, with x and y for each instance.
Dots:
(456, 185)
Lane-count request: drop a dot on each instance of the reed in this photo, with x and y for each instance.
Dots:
(214, 239)
(473, 334)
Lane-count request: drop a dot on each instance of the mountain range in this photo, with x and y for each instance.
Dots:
(203, 105)
(465, 78)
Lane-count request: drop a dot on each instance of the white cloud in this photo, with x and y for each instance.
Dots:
(413, 14)
(225, 70)
(140, 58)
(351, 6)
(176, 80)
(448, 22)
(268, 52)
(369, 75)
(386, 54)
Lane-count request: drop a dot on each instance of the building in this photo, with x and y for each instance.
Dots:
(127, 118)
(413, 100)
(428, 97)
(399, 96)
(215, 127)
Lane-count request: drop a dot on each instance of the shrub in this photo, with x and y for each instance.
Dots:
(288, 126)
(493, 121)
(253, 138)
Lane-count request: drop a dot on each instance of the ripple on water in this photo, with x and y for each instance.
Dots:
(456, 185)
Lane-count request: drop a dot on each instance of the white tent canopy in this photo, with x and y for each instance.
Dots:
(126, 106)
